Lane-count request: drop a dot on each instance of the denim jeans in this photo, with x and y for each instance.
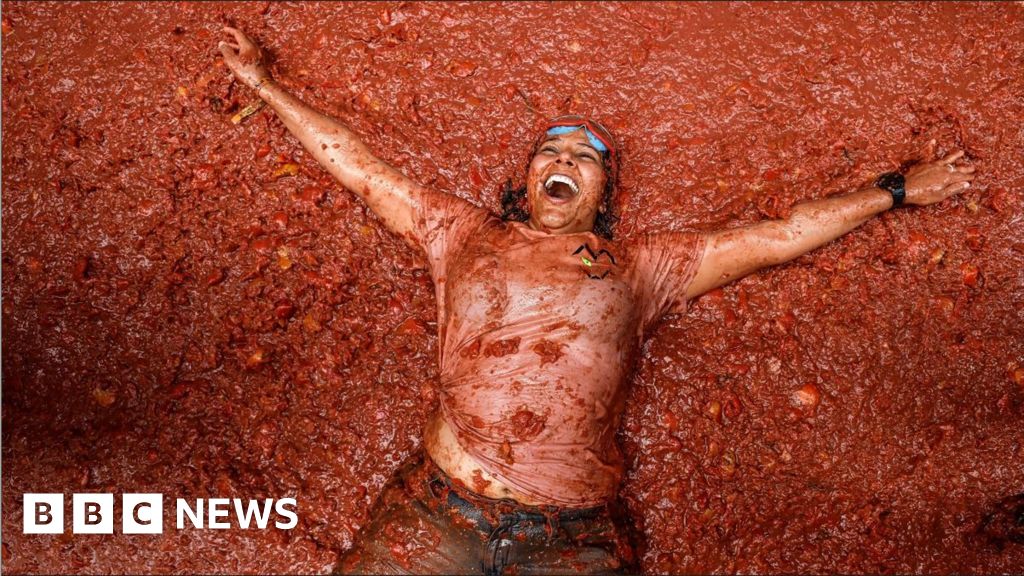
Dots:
(424, 524)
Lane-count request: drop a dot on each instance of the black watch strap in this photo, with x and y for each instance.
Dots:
(895, 184)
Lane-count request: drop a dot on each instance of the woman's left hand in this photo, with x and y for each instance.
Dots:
(931, 182)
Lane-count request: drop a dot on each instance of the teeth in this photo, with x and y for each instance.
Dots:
(564, 180)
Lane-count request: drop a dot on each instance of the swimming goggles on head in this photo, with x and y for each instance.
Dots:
(598, 135)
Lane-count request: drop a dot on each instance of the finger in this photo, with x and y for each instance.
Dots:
(249, 54)
(928, 151)
(233, 32)
(240, 36)
(229, 55)
(953, 157)
(245, 41)
(958, 187)
(958, 178)
(965, 169)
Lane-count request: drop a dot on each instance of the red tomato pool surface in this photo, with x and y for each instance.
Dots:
(195, 308)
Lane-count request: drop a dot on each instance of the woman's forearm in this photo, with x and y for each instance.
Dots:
(386, 191)
(732, 254)
(393, 198)
(736, 252)
(817, 222)
(329, 141)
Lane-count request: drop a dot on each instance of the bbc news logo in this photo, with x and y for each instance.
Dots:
(144, 513)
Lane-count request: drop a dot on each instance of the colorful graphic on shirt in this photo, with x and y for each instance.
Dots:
(595, 265)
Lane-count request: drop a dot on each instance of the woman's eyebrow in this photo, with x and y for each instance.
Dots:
(559, 138)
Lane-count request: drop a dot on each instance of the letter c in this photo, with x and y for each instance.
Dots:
(138, 517)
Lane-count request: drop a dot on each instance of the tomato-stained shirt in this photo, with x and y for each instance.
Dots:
(537, 335)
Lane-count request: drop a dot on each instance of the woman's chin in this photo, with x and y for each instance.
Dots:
(554, 221)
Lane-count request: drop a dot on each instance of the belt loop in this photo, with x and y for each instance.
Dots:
(498, 546)
(552, 523)
(434, 486)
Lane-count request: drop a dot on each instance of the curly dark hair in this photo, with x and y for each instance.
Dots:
(514, 206)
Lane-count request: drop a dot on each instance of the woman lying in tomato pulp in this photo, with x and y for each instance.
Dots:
(541, 315)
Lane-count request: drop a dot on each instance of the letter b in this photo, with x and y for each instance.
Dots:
(44, 514)
(92, 514)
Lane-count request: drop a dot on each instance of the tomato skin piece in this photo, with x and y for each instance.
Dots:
(969, 274)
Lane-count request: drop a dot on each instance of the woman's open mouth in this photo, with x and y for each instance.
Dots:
(561, 188)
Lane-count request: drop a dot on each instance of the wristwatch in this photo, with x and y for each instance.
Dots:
(895, 184)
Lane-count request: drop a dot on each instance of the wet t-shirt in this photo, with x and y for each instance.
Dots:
(537, 334)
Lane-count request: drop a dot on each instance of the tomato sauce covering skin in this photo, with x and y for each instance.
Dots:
(544, 427)
(194, 307)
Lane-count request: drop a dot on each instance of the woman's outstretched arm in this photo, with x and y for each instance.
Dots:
(393, 197)
(732, 254)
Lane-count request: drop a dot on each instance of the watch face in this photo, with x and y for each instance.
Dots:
(891, 181)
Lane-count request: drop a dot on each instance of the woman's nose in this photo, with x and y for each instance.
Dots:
(564, 158)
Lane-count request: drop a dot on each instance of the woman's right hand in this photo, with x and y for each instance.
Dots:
(931, 182)
(244, 58)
